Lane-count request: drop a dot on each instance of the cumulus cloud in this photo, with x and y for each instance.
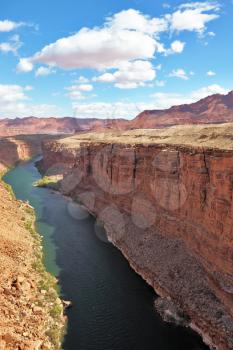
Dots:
(98, 48)
(24, 65)
(7, 25)
(14, 102)
(85, 87)
(179, 73)
(44, 71)
(211, 73)
(81, 80)
(130, 75)
(167, 100)
(126, 39)
(193, 16)
(177, 47)
(117, 40)
(109, 110)
(134, 20)
(76, 91)
(12, 45)
(209, 90)
(160, 83)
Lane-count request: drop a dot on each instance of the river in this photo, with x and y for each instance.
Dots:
(112, 306)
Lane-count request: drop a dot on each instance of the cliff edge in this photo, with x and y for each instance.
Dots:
(165, 199)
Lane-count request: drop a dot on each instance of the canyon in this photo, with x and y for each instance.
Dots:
(163, 194)
(165, 199)
(20, 147)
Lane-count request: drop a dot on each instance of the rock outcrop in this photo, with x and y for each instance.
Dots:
(168, 208)
(31, 314)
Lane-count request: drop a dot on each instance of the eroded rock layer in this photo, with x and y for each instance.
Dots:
(13, 149)
(168, 208)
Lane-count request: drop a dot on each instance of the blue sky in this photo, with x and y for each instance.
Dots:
(111, 58)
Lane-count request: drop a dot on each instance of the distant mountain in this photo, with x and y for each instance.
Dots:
(213, 109)
(67, 125)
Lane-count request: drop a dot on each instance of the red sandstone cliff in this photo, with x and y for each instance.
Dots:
(13, 149)
(168, 208)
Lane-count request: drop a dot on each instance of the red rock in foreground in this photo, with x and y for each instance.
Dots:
(168, 208)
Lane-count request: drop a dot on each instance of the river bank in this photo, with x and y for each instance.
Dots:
(31, 313)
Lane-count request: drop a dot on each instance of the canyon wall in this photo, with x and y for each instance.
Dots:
(13, 149)
(168, 208)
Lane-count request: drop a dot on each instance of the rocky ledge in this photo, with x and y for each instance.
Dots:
(165, 199)
(31, 314)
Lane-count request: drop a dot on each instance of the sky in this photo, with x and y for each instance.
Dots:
(111, 59)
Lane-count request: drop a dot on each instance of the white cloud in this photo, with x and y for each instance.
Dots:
(44, 71)
(209, 90)
(15, 103)
(179, 73)
(130, 75)
(85, 87)
(7, 26)
(75, 91)
(193, 16)
(126, 41)
(160, 83)
(166, 6)
(129, 110)
(76, 95)
(210, 73)
(109, 110)
(167, 100)
(100, 48)
(105, 78)
(177, 46)
(134, 20)
(82, 80)
(28, 88)
(24, 65)
(211, 34)
(113, 44)
(12, 45)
